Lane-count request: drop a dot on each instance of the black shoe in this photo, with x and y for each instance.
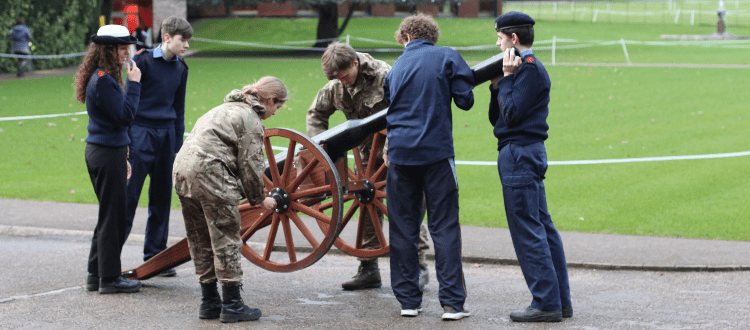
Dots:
(424, 278)
(233, 309)
(367, 277)
(531, 314)
(92, 282)
(118, 285)
(210, 303)
(168, 273)
(567, 312)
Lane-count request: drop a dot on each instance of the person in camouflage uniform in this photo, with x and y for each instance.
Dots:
(356, 89)
(221, 161)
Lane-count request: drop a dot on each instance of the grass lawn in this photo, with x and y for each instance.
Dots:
(596, 113)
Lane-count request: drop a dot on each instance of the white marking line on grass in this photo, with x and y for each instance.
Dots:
(623, 160)
(42, 116)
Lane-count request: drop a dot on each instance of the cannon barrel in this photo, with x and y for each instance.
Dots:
(349, 134)
(489, 68)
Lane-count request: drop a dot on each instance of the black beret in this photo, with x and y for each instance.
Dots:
(513, 19)
(113, 35)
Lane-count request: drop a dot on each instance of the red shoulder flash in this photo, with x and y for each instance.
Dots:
(101, 73)
(530, 59)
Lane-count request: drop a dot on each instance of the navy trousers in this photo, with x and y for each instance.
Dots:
(406, 185)
(538, 245)
(151, 153)
(108, 172)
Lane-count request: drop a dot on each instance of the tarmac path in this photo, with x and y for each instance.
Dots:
(41, 286)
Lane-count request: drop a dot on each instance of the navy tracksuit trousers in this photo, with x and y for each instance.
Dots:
(537, 243)
(151, 153)
(405, 186)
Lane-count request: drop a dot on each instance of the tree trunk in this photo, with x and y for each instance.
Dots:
(328, 23)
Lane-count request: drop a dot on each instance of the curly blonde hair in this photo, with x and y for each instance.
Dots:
(418, 26)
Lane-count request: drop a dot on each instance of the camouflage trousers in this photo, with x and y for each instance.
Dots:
(213, 233)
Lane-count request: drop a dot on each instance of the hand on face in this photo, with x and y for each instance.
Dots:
(134, 73)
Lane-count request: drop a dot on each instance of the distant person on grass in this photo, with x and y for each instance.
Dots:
(221, 161)
(356, 89)
(111, 111)
(157, 131)
(518, 111)
(21, 36)
(420, 87)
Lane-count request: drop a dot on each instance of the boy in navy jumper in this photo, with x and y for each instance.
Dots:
(420, 87)
(518, 111)
(157, 131)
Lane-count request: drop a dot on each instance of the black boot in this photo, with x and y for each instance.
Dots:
(210, 303)
(368, 276)
(233, 309)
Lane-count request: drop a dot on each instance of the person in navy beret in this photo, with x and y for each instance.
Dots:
(111, 105)
(518, 111)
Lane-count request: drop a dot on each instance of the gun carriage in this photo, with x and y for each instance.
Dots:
(312, 177)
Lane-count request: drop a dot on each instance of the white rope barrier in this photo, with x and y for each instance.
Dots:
(42, 116)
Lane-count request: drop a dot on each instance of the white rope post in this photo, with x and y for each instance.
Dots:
(554, 41)
(347, 39)
(692, 17)
(677, 17)
(670, 4)
(555, 8)
(625, 49)
(596, 12)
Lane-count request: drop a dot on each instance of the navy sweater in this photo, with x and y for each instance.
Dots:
(162, 102)
(110, 111)
(420, 87)
(519, 107)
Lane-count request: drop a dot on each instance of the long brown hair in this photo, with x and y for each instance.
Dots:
(97, 56)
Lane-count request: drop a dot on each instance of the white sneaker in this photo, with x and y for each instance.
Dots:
(450, 313)
(411, 312)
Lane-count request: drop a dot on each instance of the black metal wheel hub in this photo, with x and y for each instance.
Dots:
(368, 194)
(282, 199)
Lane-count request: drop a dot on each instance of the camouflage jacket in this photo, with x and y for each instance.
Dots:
(223, 156)
(360, 100)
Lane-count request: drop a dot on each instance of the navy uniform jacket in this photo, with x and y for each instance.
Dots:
(519, 106)
(163, 98)
(110, 111)
(420, 87)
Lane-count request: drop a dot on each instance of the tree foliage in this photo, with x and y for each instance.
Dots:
(58, 27)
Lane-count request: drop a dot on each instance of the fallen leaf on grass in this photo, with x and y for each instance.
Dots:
(51, 124)
(72, 191)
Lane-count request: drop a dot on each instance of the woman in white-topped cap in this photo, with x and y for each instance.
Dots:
(100, 86)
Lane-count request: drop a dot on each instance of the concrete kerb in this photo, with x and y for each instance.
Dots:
(23, 231)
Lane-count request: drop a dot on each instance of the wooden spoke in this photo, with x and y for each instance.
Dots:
(301, 177)
(288, 239)
(379, 204)
(296, 206)
(358, 160)
(304, 230)
(272, 160)
(289, 159)
(377, 226)
(314, 192)
(271, 237)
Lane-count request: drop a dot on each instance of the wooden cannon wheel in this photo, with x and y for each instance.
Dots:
(366, 189)
(296, 191)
